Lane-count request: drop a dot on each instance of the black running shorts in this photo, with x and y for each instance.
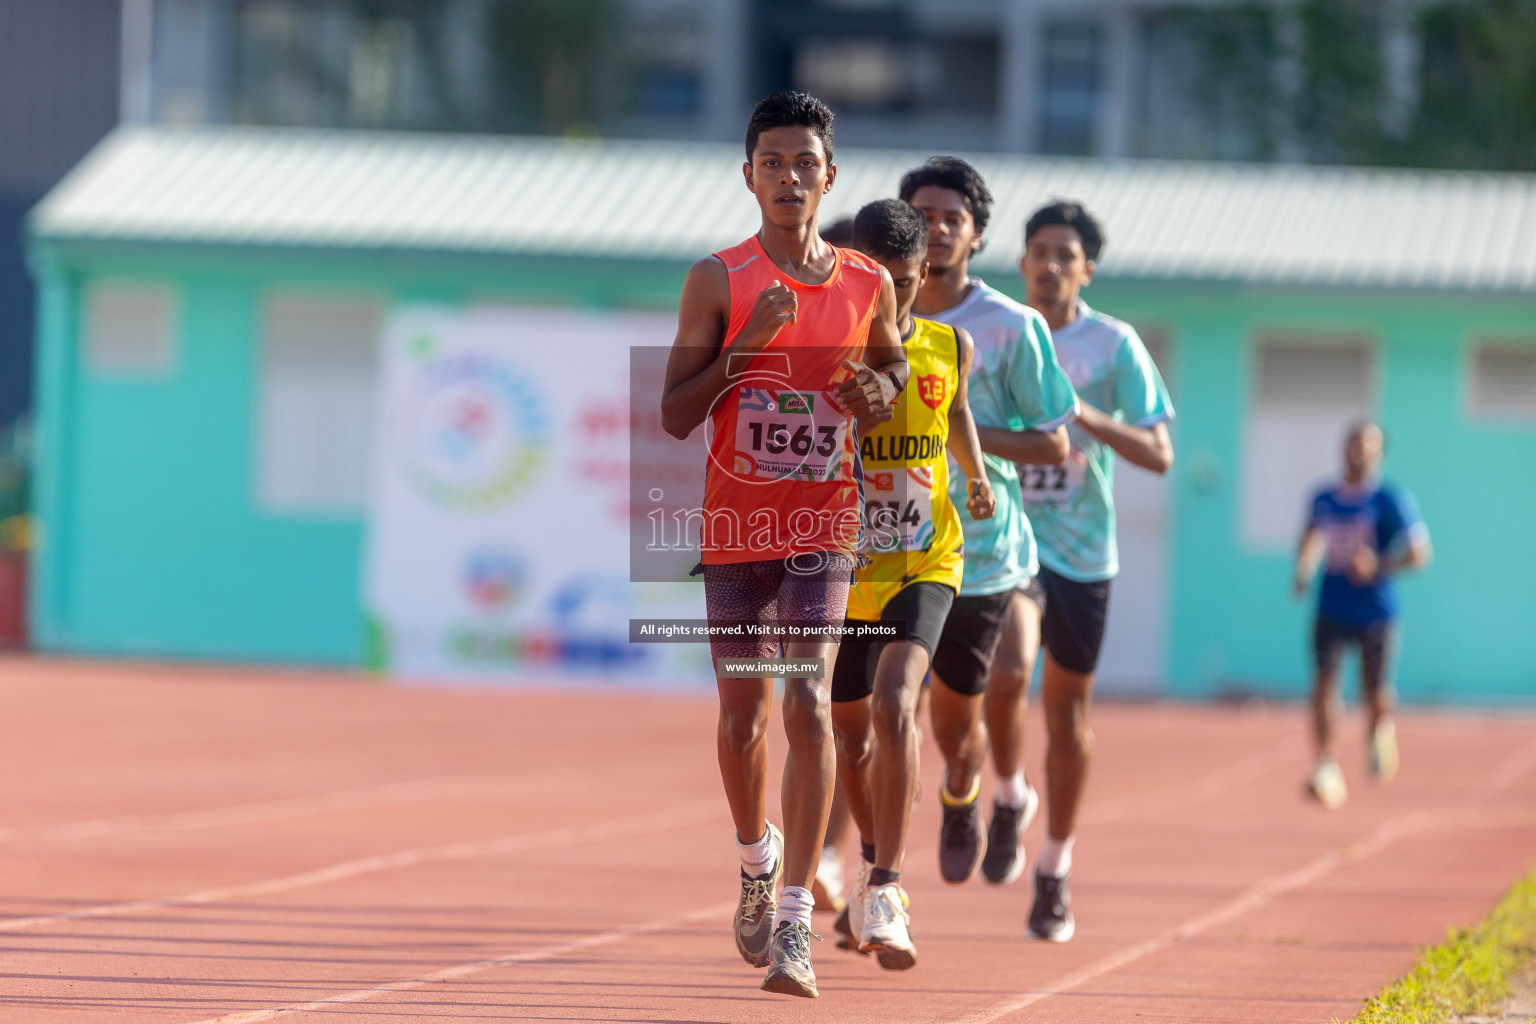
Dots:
(1377, 641)
(923, 606)
(1072, 619)
(969, 641)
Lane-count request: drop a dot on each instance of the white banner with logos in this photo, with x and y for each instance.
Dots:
(497, 545)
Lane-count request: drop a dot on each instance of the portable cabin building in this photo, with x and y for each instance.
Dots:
(210, 302)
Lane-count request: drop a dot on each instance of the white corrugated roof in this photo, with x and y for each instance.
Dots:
(672, 200)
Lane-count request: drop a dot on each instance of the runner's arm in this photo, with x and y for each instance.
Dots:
(1309, 554)
(698, 368)
(1417, 555)
(963, 443)
(869, 391)
(1036, 447)
(1147, 447)
(1037, 391)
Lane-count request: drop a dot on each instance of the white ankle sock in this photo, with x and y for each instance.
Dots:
(757, 858)
(795, 904)
(1011, 790)
(1055, 858)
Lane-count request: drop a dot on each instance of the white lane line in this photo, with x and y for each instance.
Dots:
(445, 787)
(1217, 783)
(603, 831)
(479, 966)
(1500, 779)
(1515, 765)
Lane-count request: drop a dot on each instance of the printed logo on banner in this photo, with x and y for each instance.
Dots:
(586, 611)
(476, 428)
(494, 578)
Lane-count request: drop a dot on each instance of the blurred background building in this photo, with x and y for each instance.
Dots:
(1427, 83)
(195, 340)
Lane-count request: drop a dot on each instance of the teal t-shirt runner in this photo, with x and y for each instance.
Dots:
(1072, 506)
(1015, 383)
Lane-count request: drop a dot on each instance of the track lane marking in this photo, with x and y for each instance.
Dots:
(615, 828)
(478, 967)
(1513, 767)
(260, 811)
(1213, 784)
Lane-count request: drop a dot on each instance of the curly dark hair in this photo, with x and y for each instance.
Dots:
(790, 109)
(839, 232)
(956, 175)
(889, 229)
(1073, 215)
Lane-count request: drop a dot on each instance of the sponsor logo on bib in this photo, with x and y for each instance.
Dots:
(796, 402)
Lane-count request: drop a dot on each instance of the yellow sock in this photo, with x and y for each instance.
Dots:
(957, 801)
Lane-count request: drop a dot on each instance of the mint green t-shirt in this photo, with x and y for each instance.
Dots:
(1072, 506)
(1015, 383)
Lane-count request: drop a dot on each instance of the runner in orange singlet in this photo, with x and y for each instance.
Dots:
(783, 342)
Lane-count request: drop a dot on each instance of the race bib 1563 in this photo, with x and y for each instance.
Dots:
(789, 435)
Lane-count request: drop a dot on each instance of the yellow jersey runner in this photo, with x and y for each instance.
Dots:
(912, 530)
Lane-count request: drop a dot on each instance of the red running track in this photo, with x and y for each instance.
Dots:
(191, 845)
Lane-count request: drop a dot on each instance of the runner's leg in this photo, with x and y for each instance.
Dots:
(962, 739)
(814, 591)
(1069, 748)
(1328, 642)
(893, 770)
(840, 815)
(961, 662)
(744, 592)
(1072, 633)
(806, 795)
(1377, 647)
(852, 685)
(747, 592)
(1014, 800)
(1006, 703)
(742, 746)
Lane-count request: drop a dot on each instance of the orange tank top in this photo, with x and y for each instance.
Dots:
(783, 475)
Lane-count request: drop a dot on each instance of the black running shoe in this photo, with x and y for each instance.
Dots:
(1004, 861)
(1051, 916)
(961, 842)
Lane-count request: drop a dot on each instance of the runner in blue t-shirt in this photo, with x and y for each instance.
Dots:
(1364, 531)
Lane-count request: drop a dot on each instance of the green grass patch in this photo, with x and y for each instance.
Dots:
(1470, 973)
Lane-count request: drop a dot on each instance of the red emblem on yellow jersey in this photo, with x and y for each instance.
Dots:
(931, 389)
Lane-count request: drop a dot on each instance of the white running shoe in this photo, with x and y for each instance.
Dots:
(1327, 785)
(856, 900)
(1383, 757)
(827, 888)
(887, 930)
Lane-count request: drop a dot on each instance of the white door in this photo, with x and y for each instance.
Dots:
(1136, 635)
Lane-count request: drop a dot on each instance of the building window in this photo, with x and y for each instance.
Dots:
(1070, 87)
(1502, 381)
(860, 73)
(1305, 391)
(315, 402)
(130, 328)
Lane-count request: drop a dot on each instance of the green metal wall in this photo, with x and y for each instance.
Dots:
(153, 544)
(1468, 620)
